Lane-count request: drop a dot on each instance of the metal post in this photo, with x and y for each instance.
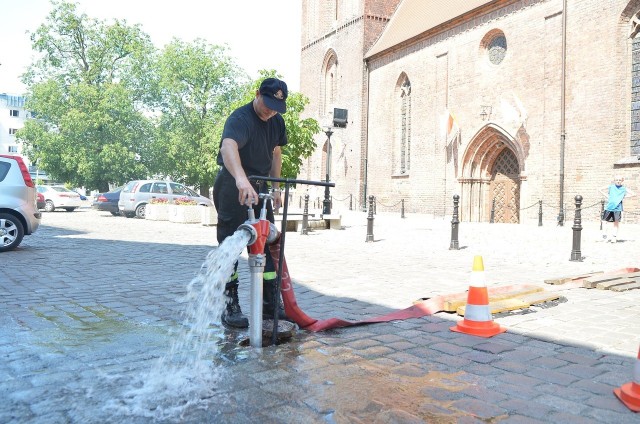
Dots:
(351, 202)
(493, 211)
(326, 205)
(539, 213)
(601, 213)
(402, 209)
(454, 225)
(370, 220)
(576, 255)
(305, 216)
(375, 205)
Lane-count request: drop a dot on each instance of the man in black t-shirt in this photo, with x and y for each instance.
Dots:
(250, 145)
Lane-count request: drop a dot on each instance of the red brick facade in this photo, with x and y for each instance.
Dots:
(498, 71)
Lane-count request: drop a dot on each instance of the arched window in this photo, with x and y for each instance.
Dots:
(635, 84)
(330, 83)
(404, 146)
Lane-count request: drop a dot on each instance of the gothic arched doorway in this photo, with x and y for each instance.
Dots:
(492, 167)
(504, 188)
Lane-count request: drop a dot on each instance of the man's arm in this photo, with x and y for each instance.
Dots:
(231, 159)
(604, 191)
(276, 168)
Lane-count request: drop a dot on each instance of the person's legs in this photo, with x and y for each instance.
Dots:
(616, 226)
(230, 215)
(269, 280)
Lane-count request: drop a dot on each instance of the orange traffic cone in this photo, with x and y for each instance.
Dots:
(477, 316)
(629, 393)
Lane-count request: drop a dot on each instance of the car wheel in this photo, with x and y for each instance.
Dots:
(70, 209)
(129, 214)
(141, 210)
(49, 206)
(11, 232)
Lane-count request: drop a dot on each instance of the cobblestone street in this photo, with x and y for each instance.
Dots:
(91, 305)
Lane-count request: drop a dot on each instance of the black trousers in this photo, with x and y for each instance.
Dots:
(231, 214)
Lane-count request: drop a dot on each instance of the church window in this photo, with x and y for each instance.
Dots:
(405, 127)
(497, 49)
(635, 85)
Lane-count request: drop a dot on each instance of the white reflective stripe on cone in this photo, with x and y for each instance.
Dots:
(477, 313)
(477, 279)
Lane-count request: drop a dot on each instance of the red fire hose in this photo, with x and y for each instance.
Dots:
(304, 321)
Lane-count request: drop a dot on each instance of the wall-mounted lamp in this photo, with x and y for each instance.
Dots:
(485, 112)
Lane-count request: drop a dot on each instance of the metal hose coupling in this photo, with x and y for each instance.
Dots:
(274, 234)
(253, 234)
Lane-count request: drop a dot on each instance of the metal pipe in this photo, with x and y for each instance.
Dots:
(256, 266)
(326, 204)
(562, 111)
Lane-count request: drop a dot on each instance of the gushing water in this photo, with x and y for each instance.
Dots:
(184, 378)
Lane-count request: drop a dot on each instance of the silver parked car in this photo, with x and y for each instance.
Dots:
(19, 215)
(136, 194)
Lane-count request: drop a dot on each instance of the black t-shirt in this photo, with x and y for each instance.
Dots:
(256, 139)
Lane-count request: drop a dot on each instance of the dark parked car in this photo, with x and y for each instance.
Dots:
(40, 202)
(108, 201)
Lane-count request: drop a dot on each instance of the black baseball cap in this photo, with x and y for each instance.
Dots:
(274, 92)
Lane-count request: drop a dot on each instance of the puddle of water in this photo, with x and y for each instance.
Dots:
(187, 376)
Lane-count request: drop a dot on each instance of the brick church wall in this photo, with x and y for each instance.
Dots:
(449, 69)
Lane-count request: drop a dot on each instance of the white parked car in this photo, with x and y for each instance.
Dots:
(59, 197)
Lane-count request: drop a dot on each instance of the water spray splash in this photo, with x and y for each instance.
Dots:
(185, 377)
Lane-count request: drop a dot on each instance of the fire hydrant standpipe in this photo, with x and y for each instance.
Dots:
(287, 182)
(260, 233)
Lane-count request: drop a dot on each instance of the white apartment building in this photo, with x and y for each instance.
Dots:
(12, 117)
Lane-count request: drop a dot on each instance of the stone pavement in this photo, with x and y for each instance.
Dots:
(91, 303)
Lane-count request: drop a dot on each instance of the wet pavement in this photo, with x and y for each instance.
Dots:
(91, 307)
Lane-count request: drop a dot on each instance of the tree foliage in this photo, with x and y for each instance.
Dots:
(196, 84)
(109, 107)
(89, 130)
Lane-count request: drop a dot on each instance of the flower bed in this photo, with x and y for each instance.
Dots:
(185, 214)
(157, 210)
(209, 216)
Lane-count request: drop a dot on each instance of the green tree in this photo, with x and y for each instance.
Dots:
(90, 129)
(196, 84)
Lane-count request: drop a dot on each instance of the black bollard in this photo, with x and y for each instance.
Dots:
(493, 211)
(601, 213)
(370, 220)
(454, 224)
(402, 209)
(576, 255)
(539, 213)
(305, 216)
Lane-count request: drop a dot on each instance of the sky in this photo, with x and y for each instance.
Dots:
(260, 34)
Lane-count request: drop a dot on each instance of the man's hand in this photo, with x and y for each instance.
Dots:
(277, 199)
(246, 193)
